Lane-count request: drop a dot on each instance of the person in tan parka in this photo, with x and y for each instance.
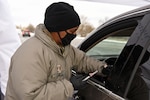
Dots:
(41, 67)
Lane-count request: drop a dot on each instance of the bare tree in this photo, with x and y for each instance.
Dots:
(102, 20)
(30, 27)
(85, 27)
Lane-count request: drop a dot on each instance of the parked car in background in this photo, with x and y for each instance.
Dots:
(26, 33)
(124, 43)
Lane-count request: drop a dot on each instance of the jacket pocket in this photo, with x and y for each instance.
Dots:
(68, 88)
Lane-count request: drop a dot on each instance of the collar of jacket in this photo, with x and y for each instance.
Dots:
(48, 41)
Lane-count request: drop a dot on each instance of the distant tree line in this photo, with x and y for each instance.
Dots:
(84, 29)
(30, 28)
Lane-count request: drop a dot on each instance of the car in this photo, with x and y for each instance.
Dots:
(26, 33)
(123, 42)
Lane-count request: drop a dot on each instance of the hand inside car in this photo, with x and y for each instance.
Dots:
(107, 70)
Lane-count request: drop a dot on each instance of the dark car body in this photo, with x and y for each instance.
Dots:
(124, 43)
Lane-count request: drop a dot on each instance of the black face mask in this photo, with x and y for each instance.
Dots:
(67, 39)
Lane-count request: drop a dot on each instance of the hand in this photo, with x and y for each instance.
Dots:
(77, 81)
(107, 70)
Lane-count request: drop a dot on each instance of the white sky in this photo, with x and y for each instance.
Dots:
(27, 12)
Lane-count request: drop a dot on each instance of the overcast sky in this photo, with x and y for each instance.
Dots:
(27, 12)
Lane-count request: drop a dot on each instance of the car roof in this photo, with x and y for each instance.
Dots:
(130, 14)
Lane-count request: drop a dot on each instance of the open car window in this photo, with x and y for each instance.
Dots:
(109, 47)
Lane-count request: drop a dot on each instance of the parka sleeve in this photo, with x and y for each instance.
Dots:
(84, 63)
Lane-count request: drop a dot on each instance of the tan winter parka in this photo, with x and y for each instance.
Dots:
(40, 69)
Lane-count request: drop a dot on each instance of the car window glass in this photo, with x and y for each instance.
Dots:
(111, 46)
(145, 67)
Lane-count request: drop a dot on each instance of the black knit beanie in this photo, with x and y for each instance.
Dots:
(60, 16)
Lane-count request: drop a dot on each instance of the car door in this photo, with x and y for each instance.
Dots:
(126, 79)
(109, 43)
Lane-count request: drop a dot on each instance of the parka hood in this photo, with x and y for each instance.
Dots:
(48, 41)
